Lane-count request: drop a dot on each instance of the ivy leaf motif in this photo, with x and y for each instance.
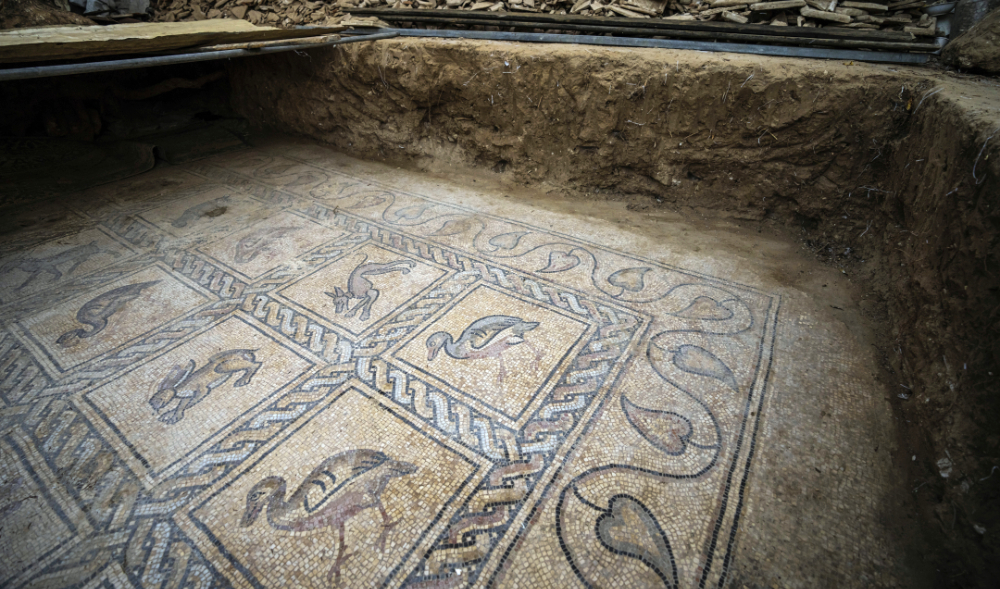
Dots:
(705, 308)
(454, 227)
(631, 279)
(410, 212)
(560, 262)
(371, 200)
(507, 241)
(700, 361)
(629, 528)
(669, 432)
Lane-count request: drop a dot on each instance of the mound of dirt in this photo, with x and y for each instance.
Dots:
(18, 14)
(978, 48)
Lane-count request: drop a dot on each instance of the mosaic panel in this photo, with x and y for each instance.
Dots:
(295, 375)
(361, 288)
(356, 486)
(29, 272)
(451, 350)
(164, 409)
(87, 326)
(263, 246)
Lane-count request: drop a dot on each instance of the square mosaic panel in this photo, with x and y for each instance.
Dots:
(344, 292)
(98, 321)
(263, 246)
(163, 410)
(355, 486)
(79, 254)
(37, 520)
(217, 209)
(303, 377)
(450, 351)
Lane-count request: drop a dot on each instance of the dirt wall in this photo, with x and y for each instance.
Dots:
(884, 171)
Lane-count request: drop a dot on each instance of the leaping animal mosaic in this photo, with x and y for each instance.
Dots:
(188, 387)
(258, 242)
(339, 488)
(211, 208)
(96, 312)
(35, 267)
(488, 337)
(362, 289)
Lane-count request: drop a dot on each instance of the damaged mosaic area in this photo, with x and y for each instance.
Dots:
(268, 370)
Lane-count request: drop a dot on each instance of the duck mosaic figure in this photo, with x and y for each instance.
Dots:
(341, 487)
(488, 337)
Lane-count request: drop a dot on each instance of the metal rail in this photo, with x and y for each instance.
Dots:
(47, 71)
(776, 50)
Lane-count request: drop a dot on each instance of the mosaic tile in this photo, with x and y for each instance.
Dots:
(500, 361)
(296, 374)
(37, 522)
(263, 246)
(221, 208)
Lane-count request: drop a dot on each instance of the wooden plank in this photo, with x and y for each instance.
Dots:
(506, 18)
(80, 42)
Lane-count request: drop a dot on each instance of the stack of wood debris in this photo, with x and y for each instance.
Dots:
(259, 12)
(901, 15)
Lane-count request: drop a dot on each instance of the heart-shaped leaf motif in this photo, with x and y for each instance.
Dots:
(707, 309)
(700, 361)
(507, 241)
(669, 432)
(368, 201)
(560, 262)
(273, 170)
(410, 212)
(630, 529)
(631, 279)
(453, 227)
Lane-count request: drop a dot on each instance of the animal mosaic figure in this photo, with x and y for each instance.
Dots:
(188, 387)
(96, 312)
(484, 338)
(258, 242)
(339, 488)
(35, 267)
(362, 289)
(210, 208)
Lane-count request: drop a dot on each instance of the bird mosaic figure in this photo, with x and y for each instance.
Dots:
(487, 337)
(341, 487)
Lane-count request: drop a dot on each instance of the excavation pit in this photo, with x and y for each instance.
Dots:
(484, 314)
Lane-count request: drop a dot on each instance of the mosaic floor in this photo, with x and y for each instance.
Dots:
(287, 368)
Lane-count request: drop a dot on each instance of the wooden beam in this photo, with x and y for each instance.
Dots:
(78, 42)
